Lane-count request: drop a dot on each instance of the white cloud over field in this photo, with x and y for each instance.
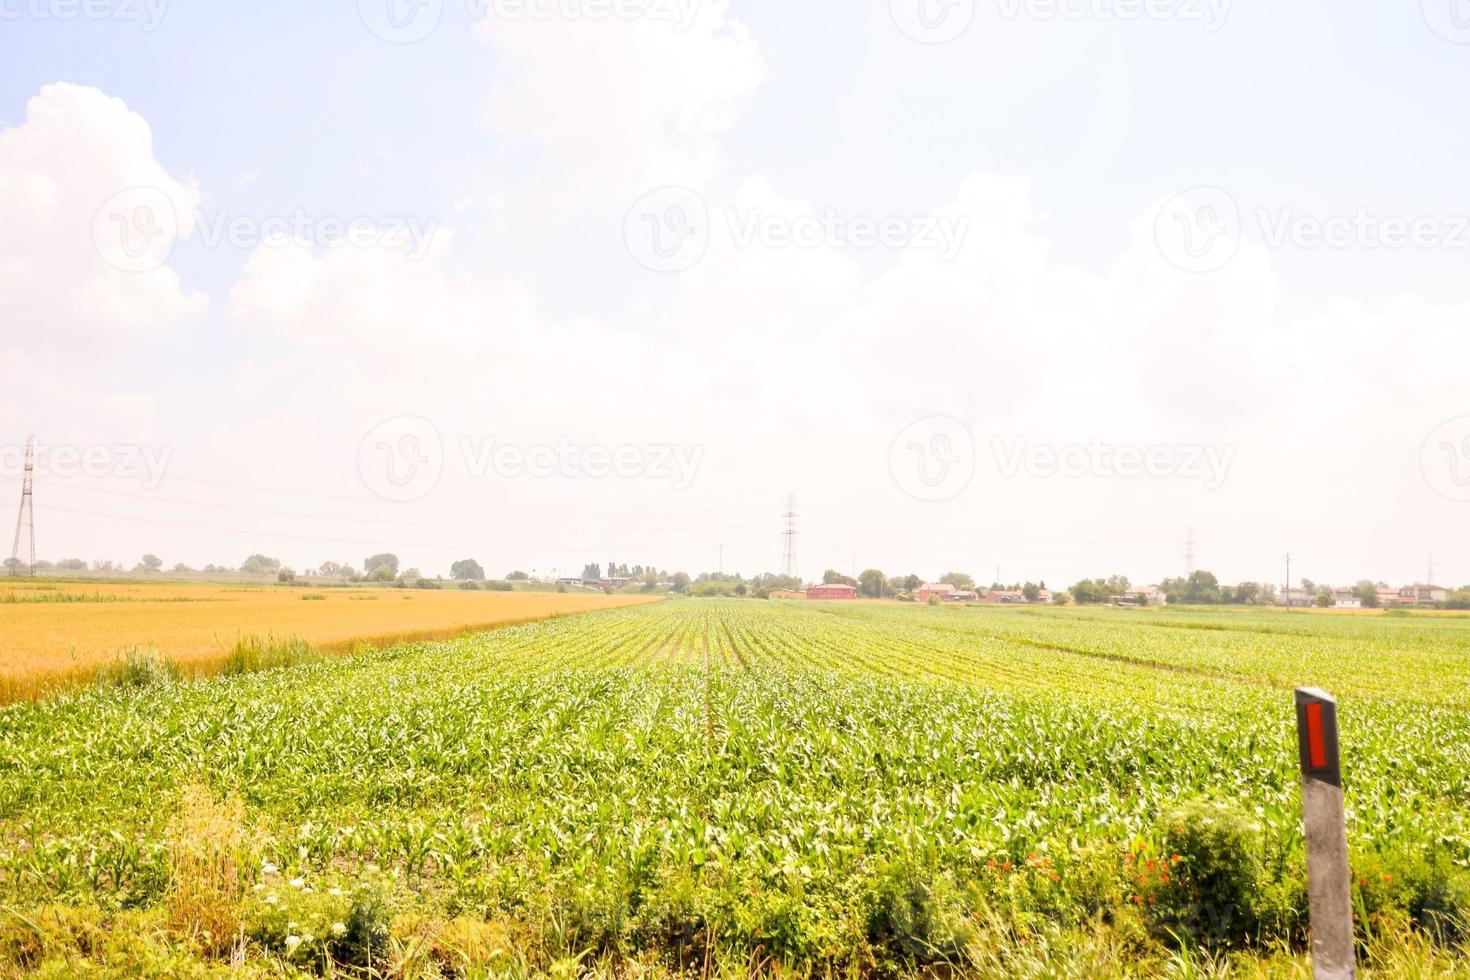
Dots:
(788, 366)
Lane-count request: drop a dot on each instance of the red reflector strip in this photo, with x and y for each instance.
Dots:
(1316, 742)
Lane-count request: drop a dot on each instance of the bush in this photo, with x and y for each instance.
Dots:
(1424, 881)
(1205, 886)
(306, 923)
(495, 586)
(470, 586)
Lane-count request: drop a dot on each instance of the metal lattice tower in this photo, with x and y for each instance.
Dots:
(23, 551)
(788, 559)
(1189, 553)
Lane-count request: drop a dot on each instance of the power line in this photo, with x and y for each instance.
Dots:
(379, 543)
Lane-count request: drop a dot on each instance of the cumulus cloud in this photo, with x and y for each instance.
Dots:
(91, 218)
(606, 109)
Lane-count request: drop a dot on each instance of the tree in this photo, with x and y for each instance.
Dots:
(680, 582)
(181, 567)
(591, 572)
(871, 583)
(833, 577)
(961, 581)
(260, 565)
(1091, 591)
(466, 570)
(72, 565)
(412, 575)
(151, 563)
(517, 577)
(286, 576)
(385, 562)
(1061, 598)
(1031, 591)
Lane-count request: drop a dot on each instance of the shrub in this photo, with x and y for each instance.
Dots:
(307, 922)
(495, 586)
(925, 915)
(1423, 881)
(1204, 887)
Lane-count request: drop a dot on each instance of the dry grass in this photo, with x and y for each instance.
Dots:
(205, 857)
(198, 627)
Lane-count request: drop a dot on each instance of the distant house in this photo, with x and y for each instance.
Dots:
(1045, 596)
(1346, 599)
(832, 590)
(1298, 599)
(964, 597)
(1428, 594)
(1388, 597)
(1004, 596)
(1145, 595)
(944, 590)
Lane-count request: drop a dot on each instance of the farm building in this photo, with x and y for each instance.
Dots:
(832, 590)
(1346, 599)
(1145, 595)
(944, 591)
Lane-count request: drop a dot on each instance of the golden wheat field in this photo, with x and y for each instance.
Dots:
(57, 632)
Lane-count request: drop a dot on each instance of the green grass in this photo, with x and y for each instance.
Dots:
(732, 786)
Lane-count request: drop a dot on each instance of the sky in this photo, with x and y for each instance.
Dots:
(1048, 288)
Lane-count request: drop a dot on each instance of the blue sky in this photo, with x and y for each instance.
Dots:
(524, 145)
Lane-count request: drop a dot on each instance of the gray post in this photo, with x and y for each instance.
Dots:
(1329, 890)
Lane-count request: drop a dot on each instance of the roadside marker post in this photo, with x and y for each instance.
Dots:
(1329, 890)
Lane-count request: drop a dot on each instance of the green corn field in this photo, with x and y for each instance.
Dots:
(755, 786)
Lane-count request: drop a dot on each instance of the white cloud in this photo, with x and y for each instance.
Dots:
(79, 151)
(608, 109)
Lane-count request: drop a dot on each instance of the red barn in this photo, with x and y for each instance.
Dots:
(832, 590)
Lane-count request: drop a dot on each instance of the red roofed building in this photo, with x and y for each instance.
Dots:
(832, 590)
(944, 590)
